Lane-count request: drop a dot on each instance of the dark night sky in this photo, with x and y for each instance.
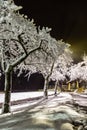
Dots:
(68, 20)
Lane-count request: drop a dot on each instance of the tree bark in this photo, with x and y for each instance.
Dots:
(47, 81)
(8, 86)
(55, 90)
(77, 84)
(69, 87)
(46, 88)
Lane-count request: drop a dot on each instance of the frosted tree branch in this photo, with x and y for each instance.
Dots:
(22, 58)
(21, 43)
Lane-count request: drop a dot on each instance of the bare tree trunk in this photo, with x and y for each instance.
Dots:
(47, 81)
(8, 86)
(55, 90)
(69, 87)
(61, 86)
(46, 88)
(77, 84)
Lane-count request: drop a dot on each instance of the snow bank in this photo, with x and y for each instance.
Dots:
(23, 95)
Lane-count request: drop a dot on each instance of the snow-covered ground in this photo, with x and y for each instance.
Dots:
(21, 96)
(42, 114)
(26, 95)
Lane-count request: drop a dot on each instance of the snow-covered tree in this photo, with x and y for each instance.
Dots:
(84, 68)
(78, 72)
(48, 69)
(61, 66)
(61, 59)
(18, 39)
(22, 45)
(45, 65)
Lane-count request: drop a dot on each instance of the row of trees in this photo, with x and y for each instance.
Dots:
(23, 46)
(78, 72)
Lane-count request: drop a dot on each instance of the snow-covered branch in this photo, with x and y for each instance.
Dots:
(22, 58)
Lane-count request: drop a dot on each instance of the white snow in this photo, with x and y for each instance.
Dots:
(26, 95)
(61, 98)
(38, 113)
(22, 95)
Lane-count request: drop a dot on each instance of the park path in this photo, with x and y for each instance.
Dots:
(54, 113)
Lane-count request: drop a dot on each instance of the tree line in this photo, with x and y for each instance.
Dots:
(26, 47)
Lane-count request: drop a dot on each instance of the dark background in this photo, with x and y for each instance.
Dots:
(22, 83)
(68, 20)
